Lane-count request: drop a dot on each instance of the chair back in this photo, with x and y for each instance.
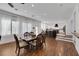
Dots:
(26, 34)
(44, 37)
(16, 39)
(0, 37)
(39, 40)
(32, 34)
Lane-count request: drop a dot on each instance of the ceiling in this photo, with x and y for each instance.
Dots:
(41, 11)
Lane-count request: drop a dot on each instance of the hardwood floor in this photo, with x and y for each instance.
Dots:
(53, 48)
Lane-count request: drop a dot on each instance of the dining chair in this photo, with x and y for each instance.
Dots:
(44, 39)
(32, 34)
(26, 34)
(37, 43)
(20, 44)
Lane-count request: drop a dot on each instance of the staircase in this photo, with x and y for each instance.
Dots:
(63, 37)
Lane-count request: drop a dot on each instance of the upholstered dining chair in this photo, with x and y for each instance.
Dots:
(26, 34)
(20, 44)
(32, 34)
(44, 39)
(37, 43)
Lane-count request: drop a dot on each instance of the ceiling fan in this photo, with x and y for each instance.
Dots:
(12, 6)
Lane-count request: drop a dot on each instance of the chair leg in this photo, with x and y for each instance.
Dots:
(18, 52)
(45, 44)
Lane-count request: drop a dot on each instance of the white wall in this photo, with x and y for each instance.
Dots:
(70, 24)
(77, 18)
(69, 28)
(73, 22)
(76, 40)
(10, 38)
(51, 24)
(73, 26)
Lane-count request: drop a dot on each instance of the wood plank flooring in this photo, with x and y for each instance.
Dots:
(53, 48)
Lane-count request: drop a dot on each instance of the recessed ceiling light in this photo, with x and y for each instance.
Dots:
(33, 5)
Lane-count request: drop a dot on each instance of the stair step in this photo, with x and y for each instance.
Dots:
(69, 40)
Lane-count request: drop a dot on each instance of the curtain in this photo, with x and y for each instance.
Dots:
(24, 27)
(15, 27)
(5, 25)
(29, 27)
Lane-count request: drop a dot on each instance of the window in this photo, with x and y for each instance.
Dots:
(5, 26)
(29, 27)
(24, 27)
(15, 27)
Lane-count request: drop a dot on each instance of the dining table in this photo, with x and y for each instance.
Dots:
(28, 38)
